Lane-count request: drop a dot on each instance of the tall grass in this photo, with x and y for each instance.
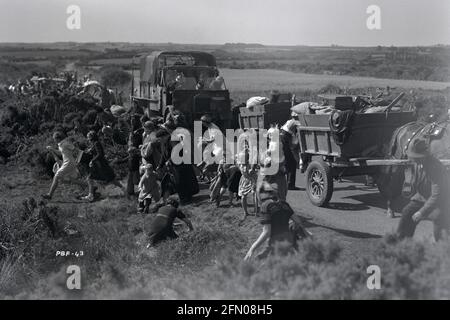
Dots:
(206, 263)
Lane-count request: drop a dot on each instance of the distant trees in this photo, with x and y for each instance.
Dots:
(112, 76)
(427, 63)
(11, 72)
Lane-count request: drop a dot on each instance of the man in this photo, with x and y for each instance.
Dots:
(217, 84)
(68, 169)
(277, 226)
(430, 193)
(291, 149)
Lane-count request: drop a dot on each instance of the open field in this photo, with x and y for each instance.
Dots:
(266, 80)
(34, 54)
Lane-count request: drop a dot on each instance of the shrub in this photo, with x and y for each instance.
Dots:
(114, 76)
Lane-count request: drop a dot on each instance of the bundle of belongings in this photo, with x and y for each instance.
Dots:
(378, 109)
(340, 120)
(117, 111)
(311, 108)
(256, 101)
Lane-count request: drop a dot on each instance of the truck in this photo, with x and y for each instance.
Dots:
(185, 81)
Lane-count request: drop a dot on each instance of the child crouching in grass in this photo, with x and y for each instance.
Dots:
(148, 189)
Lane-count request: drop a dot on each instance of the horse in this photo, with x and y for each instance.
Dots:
(391, 179)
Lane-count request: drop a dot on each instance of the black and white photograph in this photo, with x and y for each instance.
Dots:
(236, 152)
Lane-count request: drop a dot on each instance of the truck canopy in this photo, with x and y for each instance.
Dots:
(152, 64)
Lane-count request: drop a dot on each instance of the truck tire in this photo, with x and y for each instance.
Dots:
(319, 183)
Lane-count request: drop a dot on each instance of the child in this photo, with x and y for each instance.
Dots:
(148, 189)
(247, 183)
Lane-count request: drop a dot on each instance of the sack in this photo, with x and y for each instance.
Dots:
(304, 108)
(256, 101)
(117, 111)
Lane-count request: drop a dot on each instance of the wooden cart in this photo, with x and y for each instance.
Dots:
(323, 160)
(264, 115)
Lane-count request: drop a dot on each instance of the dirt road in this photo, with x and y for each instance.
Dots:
(355, 211)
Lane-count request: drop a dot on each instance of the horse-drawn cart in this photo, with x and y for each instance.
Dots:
(344, 143)
(346, 140)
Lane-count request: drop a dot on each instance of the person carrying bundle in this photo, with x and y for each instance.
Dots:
(280, 224)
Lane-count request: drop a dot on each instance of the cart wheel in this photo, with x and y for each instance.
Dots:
(319, 183)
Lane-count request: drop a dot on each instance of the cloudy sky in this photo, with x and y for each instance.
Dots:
(279, 22)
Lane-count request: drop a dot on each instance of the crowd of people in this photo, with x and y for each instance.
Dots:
(160, 186)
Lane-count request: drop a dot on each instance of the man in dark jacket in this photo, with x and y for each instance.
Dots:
(291, 150)
(430, 193)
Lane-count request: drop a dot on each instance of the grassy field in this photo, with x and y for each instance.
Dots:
(264, 80)
(34, 54)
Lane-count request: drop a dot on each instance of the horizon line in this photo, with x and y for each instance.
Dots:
(223, 44)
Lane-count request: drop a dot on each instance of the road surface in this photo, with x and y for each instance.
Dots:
(354, 209)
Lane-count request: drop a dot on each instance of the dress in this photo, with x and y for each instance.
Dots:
(247, 183)
(233, 178)
(100, 170)
(68, 169)
(182, 178)
(149, 188)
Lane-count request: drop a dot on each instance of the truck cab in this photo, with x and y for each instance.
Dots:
(183, 81)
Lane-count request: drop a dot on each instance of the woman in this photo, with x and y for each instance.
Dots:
(227, 178)
(150, 148)
(162, 226)
(65, 170)
(148, 190)
(247, 186)
(182, 175)
(134, 156)
(99, 168)
(273, 169)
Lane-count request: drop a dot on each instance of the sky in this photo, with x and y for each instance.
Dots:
(270, 22)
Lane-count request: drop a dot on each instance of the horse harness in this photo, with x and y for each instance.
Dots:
(432, 131)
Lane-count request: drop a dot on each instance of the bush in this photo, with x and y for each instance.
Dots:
(114, 76)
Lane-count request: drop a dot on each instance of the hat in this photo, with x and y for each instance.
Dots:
(173, 201)
(418, 149)
(107, 131)
(149, 125)
(290, 126)
(206, 118)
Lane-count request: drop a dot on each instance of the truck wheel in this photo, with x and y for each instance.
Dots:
(319, 183)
